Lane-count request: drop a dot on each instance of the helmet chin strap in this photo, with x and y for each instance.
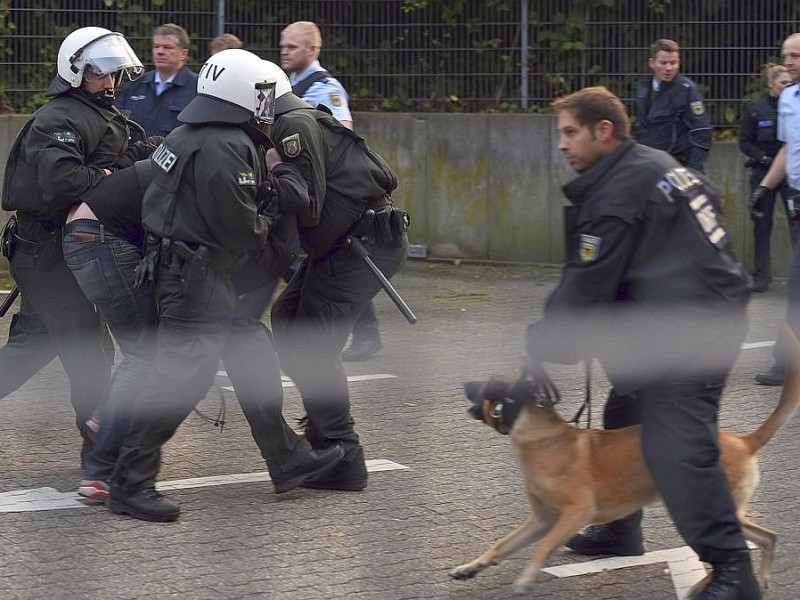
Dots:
(257, 133)
(104, 98)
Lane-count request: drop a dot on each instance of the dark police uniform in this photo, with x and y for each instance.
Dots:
(59, 154)
(313, 317)
(158, 115)
(203, 206)
(758, 139)
(652, 289)
(674, 119)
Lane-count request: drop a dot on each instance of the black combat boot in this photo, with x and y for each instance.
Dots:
(315, 463)
(349, 475)
(733, 579)
(618, 538)
(772, 376)
(146, 505)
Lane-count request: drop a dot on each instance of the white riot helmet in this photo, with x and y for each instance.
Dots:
(104, 51)
(233, 86)
(285, 100)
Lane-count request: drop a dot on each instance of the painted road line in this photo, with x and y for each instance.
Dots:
(287, 383)
(753, 345)
(684, 567)
(46, 498)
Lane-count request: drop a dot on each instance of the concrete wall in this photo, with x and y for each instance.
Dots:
(487, 186)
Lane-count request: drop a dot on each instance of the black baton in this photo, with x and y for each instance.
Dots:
(12, 295)
(401, 305)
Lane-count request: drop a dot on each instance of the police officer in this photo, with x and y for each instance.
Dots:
(204, 212)
(66, 148)
(758, 131)
(652, 289)
(349, 189)
(670, 114)
(786, 165)
(300, 45)
(155, 99)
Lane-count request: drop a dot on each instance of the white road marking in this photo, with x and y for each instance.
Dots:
(684, 567)
(753, 345)
(47, 498)
(287, 383)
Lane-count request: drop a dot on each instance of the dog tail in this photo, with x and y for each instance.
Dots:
(790, 394)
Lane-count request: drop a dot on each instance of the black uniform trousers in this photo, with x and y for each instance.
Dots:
(311, 321)
(680, 444)
(55, 319)
(197, 328)
(762, 228)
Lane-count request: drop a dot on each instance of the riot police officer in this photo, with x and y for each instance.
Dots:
(670, 114)
(67, 147)
(348, 195)
(207, 208)
(652, 289)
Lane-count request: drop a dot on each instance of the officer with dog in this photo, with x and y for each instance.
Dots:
(209, 206)
(66, 148)
(347, 210)
(652, 289)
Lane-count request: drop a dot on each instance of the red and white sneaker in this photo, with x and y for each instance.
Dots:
(93, 489)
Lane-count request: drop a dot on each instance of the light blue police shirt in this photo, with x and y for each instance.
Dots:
(329, 92)
(789, 131)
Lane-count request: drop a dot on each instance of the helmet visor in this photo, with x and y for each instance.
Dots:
(111, 54)
(265, 102)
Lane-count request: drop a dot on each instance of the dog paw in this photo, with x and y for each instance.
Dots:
(466, 571)
(522, 586)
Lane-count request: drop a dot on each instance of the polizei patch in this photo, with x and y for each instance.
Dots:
(164, 158)
(589, 248)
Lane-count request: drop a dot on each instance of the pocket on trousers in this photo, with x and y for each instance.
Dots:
(91, 278)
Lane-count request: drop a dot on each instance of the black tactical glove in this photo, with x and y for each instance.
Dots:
(267, 199)
(756, 202)
(766, 160)
(145, 272)
(139, 151)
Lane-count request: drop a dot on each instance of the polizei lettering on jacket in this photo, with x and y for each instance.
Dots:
(164, 158)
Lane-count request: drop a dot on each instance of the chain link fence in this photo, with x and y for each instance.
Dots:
(437, 55)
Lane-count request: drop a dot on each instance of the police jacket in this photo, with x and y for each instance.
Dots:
(158, 114)
(204, 191)
(60, 154)
(649, 279)
(345, 177)
(758, 129)
(674, 119)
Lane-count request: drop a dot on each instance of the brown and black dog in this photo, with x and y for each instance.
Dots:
(575, 477)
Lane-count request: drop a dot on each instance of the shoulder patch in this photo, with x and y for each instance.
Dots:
(291, 145)
(246, 178)
(589, 248)
(697, 107)
(336, 99)
(164, 158)
(65, 137)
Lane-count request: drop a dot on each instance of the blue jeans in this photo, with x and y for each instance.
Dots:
(103, 265)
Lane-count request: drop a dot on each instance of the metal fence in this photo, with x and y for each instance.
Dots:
(438, 55)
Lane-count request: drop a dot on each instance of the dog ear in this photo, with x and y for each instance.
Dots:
(474, 391)
(496, 389)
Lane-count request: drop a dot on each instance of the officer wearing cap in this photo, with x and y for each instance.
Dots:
(209, 205)
(670, 114)
(66, 148)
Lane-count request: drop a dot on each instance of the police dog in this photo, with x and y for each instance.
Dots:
(575, 477)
